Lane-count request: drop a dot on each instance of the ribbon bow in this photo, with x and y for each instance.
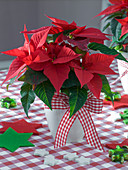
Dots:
(92, 104)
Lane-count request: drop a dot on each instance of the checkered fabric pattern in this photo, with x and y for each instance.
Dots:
(23, 158)
(59, 101)
(125, 66)
(84, 116)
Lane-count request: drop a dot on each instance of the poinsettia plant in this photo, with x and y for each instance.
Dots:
(117, 20)
(58, 58)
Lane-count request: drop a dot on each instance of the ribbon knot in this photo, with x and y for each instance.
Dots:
(60, 101)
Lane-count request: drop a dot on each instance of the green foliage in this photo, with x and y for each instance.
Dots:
(45, 92)
(11, 82)
(106, 87)
(65, 32)
(77, 95)
(106, 26)
(55, 36)
(113, 25)
(77, 98)
(65, 90)
(115, 15)
(106, 50)
(124, 39)
(71, 81)
(116, 96)
(116, 29)
(33, 77)
(27, 96)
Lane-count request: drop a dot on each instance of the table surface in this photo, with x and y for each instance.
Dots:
(23, 157)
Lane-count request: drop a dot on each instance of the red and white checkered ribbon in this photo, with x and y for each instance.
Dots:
(125, 65)
(92, 104)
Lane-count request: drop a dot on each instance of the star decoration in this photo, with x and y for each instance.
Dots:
(119, 116)
(12, 140)
(21, 126)
(41, 152)
(83, 161)
(123, 102)
(50, 160)
(126, 135)
(71, 156)
(113, 145)
(114, 117)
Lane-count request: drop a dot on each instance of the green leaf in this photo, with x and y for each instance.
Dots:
(11, 82)
(106, 26)
(55, 36)
(71, 81)
(118, 31)
(49, 39)
(77, 98)
(27, 96)
(126, 41)
(114, 15)
(79, 51)
(65, 90)
(45, 92)
(106, 88)
(108, 94)
(113, 42)
(113, 25)
(33, 77)
(123, 37)
(105, 50)
(115, 28)
(66, 32)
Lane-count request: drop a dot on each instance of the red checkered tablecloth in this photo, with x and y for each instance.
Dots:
(23, 158)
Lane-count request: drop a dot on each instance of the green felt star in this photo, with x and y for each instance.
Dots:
(12, 140)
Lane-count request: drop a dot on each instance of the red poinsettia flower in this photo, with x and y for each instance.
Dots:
(81, 37)
(26, 54)
(118, 5)
(81, 43)
(124, 24)
(44, 31)
(92, 65)
(92, 34)
(63, 24)
(17, 64)
(55, 61)
(53, 58)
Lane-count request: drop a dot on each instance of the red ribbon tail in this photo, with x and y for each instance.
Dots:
(63, 129)
(89, 129)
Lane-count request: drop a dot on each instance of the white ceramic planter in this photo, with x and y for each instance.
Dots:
(124, 79)
(54, 117)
